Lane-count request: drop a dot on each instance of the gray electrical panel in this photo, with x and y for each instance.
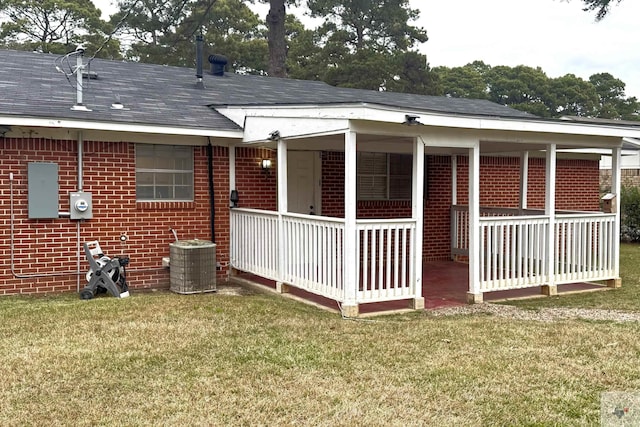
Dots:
(42, 181)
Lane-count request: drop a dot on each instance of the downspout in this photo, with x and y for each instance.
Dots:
(212, 203)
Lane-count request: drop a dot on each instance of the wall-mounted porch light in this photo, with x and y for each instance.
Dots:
(266, 165)
(234, 198)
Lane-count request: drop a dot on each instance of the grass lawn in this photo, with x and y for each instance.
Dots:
(167, 359)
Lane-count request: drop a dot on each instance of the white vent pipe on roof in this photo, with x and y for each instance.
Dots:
(79, 67)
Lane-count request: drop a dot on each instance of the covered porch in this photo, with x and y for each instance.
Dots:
(359, 262)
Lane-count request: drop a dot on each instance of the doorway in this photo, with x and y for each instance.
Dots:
(304, 182)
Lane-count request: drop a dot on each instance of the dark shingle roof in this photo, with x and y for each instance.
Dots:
(155, 94)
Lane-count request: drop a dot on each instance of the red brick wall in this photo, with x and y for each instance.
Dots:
(49, 246)
(577, 183)
(437, 209)
(257, 189)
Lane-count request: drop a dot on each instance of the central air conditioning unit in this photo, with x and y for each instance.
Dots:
(192, 266)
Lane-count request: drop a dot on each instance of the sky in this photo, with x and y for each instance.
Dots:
(555, 35)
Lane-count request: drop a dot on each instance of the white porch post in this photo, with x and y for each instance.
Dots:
(232, 227)
(454, 180)
(282, 209)
(350, 258)
(474, 295)
(418, 215)
(454, 201)
(232, 168)
(616, 188)
(550, 211)
(524, 179)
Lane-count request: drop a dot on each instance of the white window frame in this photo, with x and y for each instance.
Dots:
(165, 154)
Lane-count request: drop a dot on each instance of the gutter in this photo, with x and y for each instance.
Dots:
(119, 127)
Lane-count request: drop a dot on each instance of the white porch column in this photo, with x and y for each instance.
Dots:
(282, 209)
(524, 179)
(454, 180)
(474, 295)
(616, 188)
(350, 258)
(550, 211)
(232, 227)
(417, 206)
(232, 169)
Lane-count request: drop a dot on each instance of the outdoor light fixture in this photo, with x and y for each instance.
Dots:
(411, 120)
(275, 135)
(266, 165)
(234, 198)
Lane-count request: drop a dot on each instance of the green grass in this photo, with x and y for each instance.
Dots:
(214, 359)
(166, 359)
(625, 298)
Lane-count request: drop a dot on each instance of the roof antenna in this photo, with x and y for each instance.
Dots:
(79, 67)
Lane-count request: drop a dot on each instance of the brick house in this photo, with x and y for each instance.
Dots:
(344, 193)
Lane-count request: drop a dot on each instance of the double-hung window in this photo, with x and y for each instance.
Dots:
(384, 176)
(164, 172)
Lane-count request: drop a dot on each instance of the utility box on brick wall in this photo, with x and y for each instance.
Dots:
(43, 190)
(192, 266)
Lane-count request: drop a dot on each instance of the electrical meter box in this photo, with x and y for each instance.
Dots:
(80, 205)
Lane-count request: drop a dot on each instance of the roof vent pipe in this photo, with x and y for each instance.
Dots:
(199, 43)
(79, 106)
(217, 64)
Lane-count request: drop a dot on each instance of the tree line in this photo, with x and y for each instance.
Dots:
(368, 44)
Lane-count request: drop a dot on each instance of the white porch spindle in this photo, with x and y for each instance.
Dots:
(475, 249)
(350, 260)
(418, 217)
(550, 212)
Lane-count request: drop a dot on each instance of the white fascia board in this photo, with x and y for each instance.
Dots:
(381, 113)
(117, 127)
(259, 129)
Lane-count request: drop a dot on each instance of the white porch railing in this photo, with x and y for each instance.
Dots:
(585, 247)
(313, 257)
(513, 252)
(514, 248)
(254, 242)
(313, 254)
(386, 251)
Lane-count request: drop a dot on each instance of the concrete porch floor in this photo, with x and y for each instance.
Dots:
(445, 284)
